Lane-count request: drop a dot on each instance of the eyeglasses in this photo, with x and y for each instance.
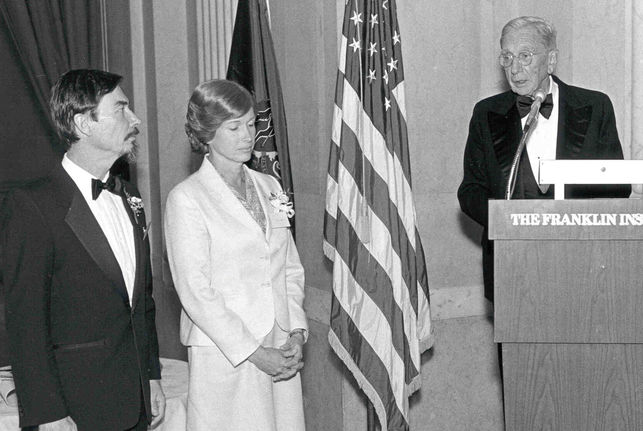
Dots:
(524, 58)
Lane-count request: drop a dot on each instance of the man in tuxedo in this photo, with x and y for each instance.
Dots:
(80, 313)
(573, 123)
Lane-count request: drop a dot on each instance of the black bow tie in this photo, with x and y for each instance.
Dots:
(98, 186)
(524, 105)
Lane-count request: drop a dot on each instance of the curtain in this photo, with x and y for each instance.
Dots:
(53, 36)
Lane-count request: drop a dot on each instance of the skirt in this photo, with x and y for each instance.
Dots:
(243, 398)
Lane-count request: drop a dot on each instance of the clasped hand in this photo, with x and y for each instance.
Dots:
(281, 363)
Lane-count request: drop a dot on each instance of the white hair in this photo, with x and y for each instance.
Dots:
(545, 30)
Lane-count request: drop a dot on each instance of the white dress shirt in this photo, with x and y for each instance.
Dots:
(542, 143)
(112, 218)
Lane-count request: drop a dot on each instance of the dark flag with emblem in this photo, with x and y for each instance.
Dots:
(380, 317)
(252, 64)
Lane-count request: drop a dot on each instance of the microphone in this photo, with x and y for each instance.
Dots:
(530, 124)
(539, 97)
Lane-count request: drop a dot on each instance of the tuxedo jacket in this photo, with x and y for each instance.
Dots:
(77, 346)
(586, 130)
(234, 281)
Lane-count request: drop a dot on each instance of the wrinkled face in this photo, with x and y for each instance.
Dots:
(234, 139)
(114, 129)
(525, 80)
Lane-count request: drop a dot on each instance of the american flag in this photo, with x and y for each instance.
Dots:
(380, 317)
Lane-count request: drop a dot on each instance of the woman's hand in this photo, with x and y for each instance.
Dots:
(293, 348)
(271, 361)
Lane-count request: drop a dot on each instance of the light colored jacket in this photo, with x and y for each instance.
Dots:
(233, 280)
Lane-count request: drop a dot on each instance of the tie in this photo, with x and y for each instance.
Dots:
(524, 105)
(98, 186)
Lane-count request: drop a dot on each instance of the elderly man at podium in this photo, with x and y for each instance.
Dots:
(572, 123)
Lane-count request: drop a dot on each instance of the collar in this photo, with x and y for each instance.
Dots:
(553, 90)
(81, 177)
(208, 168)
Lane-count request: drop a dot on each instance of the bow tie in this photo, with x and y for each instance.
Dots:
(524, 105)
(98, 186)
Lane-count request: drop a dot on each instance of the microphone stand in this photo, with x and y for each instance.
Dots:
(530, 125)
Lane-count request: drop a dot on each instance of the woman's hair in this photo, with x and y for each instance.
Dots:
(212, 103)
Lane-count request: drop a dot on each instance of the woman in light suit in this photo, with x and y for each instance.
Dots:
(237, 273)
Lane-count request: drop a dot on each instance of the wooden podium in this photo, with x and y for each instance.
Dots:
(569, 312)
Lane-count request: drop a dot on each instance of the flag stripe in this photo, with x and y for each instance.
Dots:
(339, 89)
(398, 134)
(379, 248)
(375, 150)
(376, 334)
(392, 136)
(367, 272)
(391, 263)
(369, 380)
(400, 98)
(424, 333)
(377, 196)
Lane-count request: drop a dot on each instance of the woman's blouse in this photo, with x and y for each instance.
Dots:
(250, 201)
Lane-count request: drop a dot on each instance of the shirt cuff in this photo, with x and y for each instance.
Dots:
(301, 331)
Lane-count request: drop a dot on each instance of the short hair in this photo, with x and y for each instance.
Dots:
(212, 103)
(76, 92)
(544, 28)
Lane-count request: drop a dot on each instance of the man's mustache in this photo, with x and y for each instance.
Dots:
(132, 133)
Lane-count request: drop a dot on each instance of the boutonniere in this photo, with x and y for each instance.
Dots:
(135, 203)
(281, 203)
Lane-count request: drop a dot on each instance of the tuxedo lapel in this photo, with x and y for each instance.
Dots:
(82, 222)
(506, 130)
(138, 230)
(573, 121)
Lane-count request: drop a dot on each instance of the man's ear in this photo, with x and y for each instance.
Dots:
(82, 124)
(552, 61)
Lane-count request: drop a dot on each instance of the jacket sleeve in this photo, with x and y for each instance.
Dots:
(154, 367)
(28, 271)
(188, 250)
(295, 288)
(474, 191)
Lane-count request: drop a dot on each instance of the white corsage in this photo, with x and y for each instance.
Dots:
(281, 203)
